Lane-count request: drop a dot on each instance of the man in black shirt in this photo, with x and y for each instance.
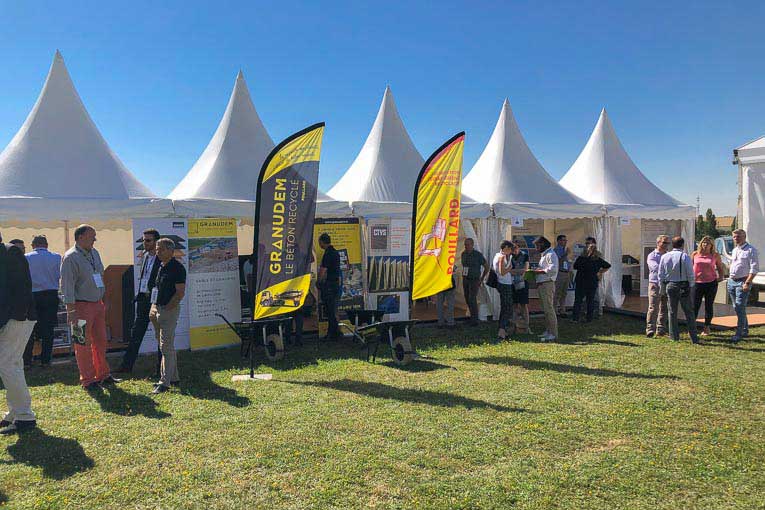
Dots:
(166, 299)
(329, 283)
(17, 319)
(146, 280)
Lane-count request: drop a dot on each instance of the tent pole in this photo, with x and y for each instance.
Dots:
(66, 235)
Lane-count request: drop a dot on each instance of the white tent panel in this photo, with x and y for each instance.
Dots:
(58, 166)
(752, 152)
(387, 165)
(228, 168)
(604, 174)
(509, 177)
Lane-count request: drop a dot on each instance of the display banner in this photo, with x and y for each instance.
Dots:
(213, 281)
(346, 238)
(284, 213)
(436, 219)
(388, 266)
(175, 229)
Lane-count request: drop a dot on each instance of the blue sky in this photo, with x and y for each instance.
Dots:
(683, 85)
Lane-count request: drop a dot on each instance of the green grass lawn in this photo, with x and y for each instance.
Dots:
(608, 419)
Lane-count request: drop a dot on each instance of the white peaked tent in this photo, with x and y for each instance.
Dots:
(509, 178)
(381, 180)
(604, 174)
(58, 167)
(223, 180)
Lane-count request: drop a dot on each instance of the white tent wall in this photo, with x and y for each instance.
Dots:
(114, 244)
(753, 214)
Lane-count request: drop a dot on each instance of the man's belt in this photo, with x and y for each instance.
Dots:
(85, 301)
(739, 280)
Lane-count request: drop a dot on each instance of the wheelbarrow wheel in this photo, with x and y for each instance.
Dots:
(274, 347)
(402, 350)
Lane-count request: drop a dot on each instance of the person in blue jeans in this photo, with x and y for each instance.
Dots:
(743, 267)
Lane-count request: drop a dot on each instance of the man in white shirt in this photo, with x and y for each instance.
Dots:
(147, 277)
(676, 276)
(546, 273)
(743, 268)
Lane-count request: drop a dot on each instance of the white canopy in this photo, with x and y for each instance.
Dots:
(381, 180)
(223, 180)
(604, 174)
(752, 152)
(59, 167)
(509, 177)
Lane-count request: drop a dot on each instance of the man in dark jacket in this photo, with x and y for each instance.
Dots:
(17, 319)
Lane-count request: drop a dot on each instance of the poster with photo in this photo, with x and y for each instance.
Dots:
(175, 229)
(213, 281)
(387, 274)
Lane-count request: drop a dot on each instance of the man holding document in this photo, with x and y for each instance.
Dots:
(82, 284)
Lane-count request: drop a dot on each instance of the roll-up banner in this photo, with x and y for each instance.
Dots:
(436, 219)
(212, 281)
(284, 212)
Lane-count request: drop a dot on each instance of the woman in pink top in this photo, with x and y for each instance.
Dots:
(708, 270)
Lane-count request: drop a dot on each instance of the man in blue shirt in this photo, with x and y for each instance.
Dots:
(676, 276)
(45, 268)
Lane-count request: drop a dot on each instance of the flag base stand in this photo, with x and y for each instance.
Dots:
(251, 377)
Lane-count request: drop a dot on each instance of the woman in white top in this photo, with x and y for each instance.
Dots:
(503, 267)
(546, 273)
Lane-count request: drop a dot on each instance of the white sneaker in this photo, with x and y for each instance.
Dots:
(549, 337)
(544, 334)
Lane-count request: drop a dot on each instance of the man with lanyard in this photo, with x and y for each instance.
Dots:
(146, 280)
(45, 269)
(166, 299)
(677, 278)
(82, 285)
(329, 283)
(656, 318)
(546, 274)
(475, 268)
(743, 268)
(564, 275)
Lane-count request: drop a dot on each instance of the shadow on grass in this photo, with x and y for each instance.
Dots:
(733, 347)
(58, 457)
(197, 370)
(562, 368)
(420, 365)
(384, 391)
(591, 341)
(3, 498)
(66, 374)
(114, 399)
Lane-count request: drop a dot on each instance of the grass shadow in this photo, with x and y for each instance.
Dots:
(65, 373)
(202, 387)
(734, 347)
(384, 391)
(563, 368)
(595, 341)
(58, 457)
(115, 400)
(420, 365)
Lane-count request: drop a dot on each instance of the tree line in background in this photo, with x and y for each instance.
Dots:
(706, 225)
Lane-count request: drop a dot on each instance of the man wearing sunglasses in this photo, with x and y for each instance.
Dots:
(656, 318)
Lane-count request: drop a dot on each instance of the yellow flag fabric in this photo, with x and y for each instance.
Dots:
(436, 219)
(285, 207)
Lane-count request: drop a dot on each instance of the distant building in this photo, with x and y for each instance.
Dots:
(725, 224)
